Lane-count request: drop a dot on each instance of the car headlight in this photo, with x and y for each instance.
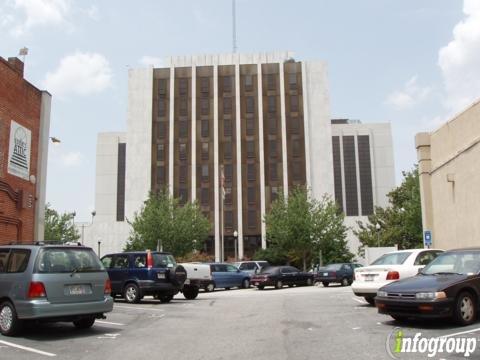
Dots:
(382, 293)
(430, 295)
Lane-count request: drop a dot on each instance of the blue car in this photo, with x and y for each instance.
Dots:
(228, 276)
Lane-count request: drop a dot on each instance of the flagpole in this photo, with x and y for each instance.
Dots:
(222, 197)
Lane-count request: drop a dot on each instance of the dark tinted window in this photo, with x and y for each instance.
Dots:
(18, 260)
(425, 258)
(333, 267)
(140, 261)
(248, 266)
(120, 262)
(269, 270)
(59, 260)
(3, 259)
(107, 261)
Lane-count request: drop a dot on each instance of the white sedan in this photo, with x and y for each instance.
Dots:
(388, 268)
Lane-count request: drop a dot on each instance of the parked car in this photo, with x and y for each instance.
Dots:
(251, 267)
(390, 267)
(198, 276)
(227, 276)
(140, 273)
(278, 276)
(51, 283)
(449, 287)
(342, 273)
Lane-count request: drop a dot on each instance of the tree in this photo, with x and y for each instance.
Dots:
(299, 227)
(163, 222)
(59, 227)
(401, 222)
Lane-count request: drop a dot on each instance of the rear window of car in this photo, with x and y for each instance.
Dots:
(248, 266)
(163, 260)
(269, 270)
(392, 258)
(333, 267)
(67, 260)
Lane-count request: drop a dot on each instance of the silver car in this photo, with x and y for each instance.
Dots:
(51, 283)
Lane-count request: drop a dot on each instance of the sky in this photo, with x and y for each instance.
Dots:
(413, 63)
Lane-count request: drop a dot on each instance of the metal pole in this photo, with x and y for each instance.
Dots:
(236, 247)
(99, 248)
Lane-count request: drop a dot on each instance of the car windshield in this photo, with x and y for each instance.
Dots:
(67, 260)
(397, 258)
(467, 263)
(333, 267)
(163, 260)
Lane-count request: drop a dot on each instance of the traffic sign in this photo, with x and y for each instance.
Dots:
(427, 238)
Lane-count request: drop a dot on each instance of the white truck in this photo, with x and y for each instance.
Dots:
(199, 276)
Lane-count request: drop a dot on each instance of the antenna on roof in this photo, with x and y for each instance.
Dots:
(234, 26)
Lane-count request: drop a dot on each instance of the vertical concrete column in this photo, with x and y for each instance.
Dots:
(171, 147)
(306, 122)
(216, 171)
(238, 142)
(194, 134)
(261, 153)
(284, 130)
(422, 144)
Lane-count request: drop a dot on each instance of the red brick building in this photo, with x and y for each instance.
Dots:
(24, 135)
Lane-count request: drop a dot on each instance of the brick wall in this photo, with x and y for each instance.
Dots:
(21, 102)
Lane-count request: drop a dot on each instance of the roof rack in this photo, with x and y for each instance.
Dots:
(53, 242)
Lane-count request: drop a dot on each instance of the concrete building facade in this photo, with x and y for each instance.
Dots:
(24, 136)
(449, 173)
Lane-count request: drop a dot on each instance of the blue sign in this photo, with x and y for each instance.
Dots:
(427, 238)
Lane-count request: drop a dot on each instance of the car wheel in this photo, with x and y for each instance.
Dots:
(465, 309)
(84, 323)
(261, 287)
(227, 288)
(278, 284)
(370, 300)
(131, 293)
(245, 283)
(399, 318)
(10, 325)
(309, 282)
(210, 287)
(345, 282)
(164, 299)
(325, 284)
(190, 292)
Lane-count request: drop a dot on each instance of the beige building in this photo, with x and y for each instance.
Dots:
(449, 168)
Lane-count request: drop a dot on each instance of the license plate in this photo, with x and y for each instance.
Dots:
(161, 276)
(369, 277)
(325, 274)
(78, 290)
(187, 282)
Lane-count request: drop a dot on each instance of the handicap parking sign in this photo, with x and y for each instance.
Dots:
(427, 238)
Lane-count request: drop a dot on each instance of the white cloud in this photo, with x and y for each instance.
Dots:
(151, 61)
(411, 95)
(72, 159)
(79, 74)
(459, 61)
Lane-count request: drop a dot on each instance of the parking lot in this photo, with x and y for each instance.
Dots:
(292, 323)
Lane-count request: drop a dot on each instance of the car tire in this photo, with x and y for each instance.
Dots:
(10, 324)
(345, 282)
(370, 300)
(399, 318)
(245, 284)
(227, 288)
(165, 299)
(210, 287)
(131, 293)
(309, 282)
(84, 323)
(261, 287)
(465, 311)
(325, 284)
(278, 284)
(190, 292)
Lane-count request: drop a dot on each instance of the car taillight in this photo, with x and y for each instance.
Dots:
(108, 287)
(393, 275)
(36, 290)
(149, 260)
(334, 273)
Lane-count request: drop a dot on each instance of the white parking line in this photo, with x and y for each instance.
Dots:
(136, 308)
(26, 348)
(460, 333)
(109, 323)
(360, 301)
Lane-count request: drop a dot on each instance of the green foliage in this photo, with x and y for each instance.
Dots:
(59, 227)
(401, 222)
(271, 254)
(162, 221)
(300, 227)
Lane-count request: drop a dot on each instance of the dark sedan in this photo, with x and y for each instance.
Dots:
(278, 276)
(336, 273)
(449, 287)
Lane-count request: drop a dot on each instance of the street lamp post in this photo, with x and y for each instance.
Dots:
(99, 243)
(235, 241)
(87, 225)
(378, 227)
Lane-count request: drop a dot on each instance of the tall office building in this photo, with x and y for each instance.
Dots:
(246, 126)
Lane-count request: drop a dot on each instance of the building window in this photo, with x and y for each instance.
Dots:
(204, 85)
(296, 147)
(250, 126)
(227, 150)
(364, 164)
(183, 151)
(296, 171)
(250, 102)
(183, 129)
(227, 84)
(162, 109)
(272, 124)
(273, 148)
(228, 196)
(227, 105)
(205, 130)
(228, 219)
(274, 193)
(294, 103)
(161, 130)
(273, 172)
(183, 195)
(228, 169)
(252, 219)
(272, 104)
(183, 106)
(160, 152)
(205, 153)
(183, 86)
(250, 149)
(162, 87)
(160, 175)
(205, 172)
(183, 173)
(248, 82)
(227, 127)
(294, 125)
(251, 194)
(292, 80)
(204, 106)
(204, 196)
(251, 172)
(121, 161)
(271, 82)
